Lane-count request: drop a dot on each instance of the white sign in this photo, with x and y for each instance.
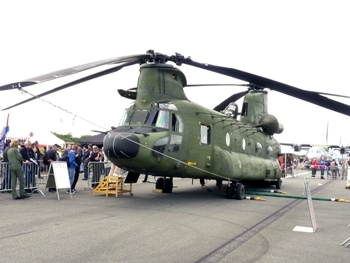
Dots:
(60, 172)
(309, 201)
(311, 210)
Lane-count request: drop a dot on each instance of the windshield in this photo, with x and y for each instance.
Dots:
(157, 118)
(126, 117)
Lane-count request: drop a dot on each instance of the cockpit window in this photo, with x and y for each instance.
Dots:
(157, 118)
(167, 105)
(175, 143)
(125, 120)
(177, 124)
(138, 118)
(152, 117)
(163, 119)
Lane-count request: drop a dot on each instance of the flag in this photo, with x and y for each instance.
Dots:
(6, 129)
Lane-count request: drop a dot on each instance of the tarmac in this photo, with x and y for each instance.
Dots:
(188, 225)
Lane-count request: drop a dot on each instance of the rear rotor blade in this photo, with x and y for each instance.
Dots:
(232, 98)
(213, 85)
(310, 96)
(70, 71)
(75, 82)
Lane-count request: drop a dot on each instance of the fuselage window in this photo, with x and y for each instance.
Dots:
(177, 124)
(175, 142)
(268, 150)
(205, 134)
(258, 147)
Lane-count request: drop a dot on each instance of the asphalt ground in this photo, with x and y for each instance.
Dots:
(188, 225)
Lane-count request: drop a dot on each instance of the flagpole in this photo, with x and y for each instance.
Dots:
(327, 133)
(4, 133)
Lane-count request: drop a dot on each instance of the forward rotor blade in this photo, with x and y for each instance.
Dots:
(70, 71)
(75, 82)
(310, 96)
(105, 132)
(331, 94)
(232, 98)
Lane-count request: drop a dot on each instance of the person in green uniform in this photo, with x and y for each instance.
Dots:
(16, 161)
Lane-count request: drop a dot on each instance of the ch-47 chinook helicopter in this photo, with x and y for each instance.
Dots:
(164, 134)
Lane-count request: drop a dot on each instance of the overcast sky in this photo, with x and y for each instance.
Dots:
(301, 43)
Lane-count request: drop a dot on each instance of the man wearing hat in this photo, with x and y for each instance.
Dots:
(52, 156)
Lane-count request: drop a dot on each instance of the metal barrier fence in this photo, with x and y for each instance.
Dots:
(34, 174)
(98, 170)
(95, 170)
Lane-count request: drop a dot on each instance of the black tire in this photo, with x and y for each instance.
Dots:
(231, 191)
(278, 183)
(168, 187)
(160, 183)
(240, 191)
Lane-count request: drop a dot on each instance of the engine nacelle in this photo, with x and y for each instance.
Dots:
(280, 129)
(297, 148)
(270, 124)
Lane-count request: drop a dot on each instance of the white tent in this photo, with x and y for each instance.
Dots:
(43, 137)
(47, 138)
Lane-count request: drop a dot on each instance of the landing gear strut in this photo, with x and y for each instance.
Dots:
(235, 190)
(278, 183)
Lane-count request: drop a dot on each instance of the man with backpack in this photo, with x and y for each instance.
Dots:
(51, 156)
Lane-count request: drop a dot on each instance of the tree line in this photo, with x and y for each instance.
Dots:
(69, 137)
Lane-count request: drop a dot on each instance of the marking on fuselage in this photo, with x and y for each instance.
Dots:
(124, 154)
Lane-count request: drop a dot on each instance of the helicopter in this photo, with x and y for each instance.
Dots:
(164, 134)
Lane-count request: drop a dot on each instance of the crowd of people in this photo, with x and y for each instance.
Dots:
(325, 165)
(330, 166)
(26, 161)
(23, 166)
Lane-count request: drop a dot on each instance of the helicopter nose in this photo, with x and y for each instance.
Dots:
(121, 145)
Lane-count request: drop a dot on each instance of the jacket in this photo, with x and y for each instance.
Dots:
(15, 159)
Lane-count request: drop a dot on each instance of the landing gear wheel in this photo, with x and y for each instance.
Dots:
(231, 191)
(168, 186)
(278, 183)
(160, 183)
(240, 191)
